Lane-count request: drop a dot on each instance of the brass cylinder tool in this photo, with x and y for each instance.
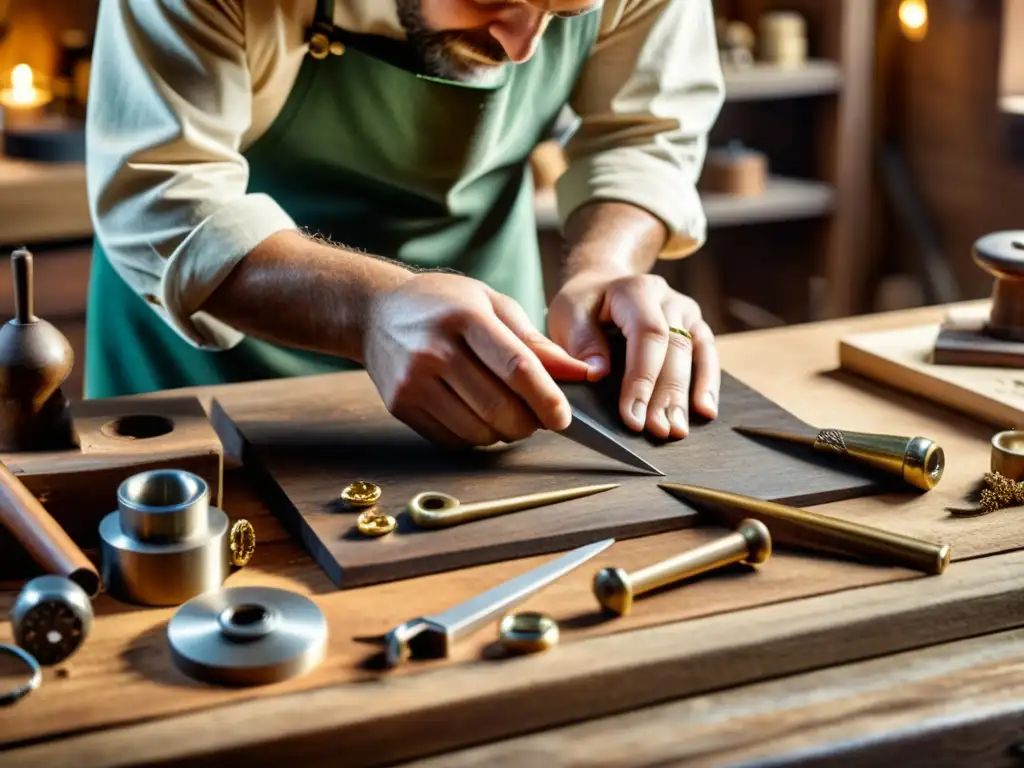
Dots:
(821, 532)
(918, 461)
(51, 618)
(439, 510)
(164, 544)
(247, 636)
(1008, 454)
(750, 543)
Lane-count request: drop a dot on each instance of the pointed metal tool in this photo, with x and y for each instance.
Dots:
(802, 527)
(588, 433)
(917, 460)
(432, 509)
(433, 636)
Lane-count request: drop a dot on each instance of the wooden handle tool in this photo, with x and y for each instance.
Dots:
(42, 536)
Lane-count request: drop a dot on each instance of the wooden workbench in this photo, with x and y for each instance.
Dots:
(883, 667)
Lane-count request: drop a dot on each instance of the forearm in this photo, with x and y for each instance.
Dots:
(612, 238)
(302, 293)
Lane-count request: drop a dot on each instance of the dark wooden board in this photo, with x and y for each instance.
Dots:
(311, 437)
(966, 343)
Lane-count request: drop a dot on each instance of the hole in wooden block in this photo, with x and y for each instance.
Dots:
(138, 427)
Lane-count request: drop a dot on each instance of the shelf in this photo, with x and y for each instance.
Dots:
(767, 81)
(784, 199)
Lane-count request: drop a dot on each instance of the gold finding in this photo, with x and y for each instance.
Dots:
(374, 523)
(820, 532)
(242, 541)
(528, 632)
(750, 543)
(439, 510)
(1000, 492)
(361, 494)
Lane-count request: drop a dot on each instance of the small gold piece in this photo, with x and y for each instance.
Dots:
(528, 632)
(361, 494)
(819, 532)
(1000, 492)
(751, 543)
(681, 332)
(431, 509)
(242, 541)
(373, 523)
(319, 45)
(337, 48)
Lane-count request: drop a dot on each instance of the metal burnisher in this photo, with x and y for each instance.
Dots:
(51, 618)
(247, 636)
(164, 544)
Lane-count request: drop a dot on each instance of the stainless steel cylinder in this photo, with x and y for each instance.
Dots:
(164, 544)
(51, 618)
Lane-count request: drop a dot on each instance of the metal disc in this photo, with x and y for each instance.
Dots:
(247, 636)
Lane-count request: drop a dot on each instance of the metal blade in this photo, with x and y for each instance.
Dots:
(466, 618)
(588, 433)
(806, 438)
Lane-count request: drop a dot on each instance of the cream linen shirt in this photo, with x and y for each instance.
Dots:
(180, 88)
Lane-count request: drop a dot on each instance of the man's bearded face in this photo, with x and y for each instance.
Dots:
(473, 40)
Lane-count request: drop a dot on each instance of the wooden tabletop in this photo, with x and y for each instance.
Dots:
(868, 663)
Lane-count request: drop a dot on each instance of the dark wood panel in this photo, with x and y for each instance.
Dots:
(315, 435)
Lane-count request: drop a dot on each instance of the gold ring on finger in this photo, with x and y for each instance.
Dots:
(681, 332)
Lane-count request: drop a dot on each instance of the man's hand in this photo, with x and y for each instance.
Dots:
(463, 365)
(661, 364)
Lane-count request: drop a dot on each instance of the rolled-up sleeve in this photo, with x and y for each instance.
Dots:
(170, 102)
(647, 98)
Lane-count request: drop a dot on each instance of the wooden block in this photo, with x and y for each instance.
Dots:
(119, 437)
(965, 342)
(312, 436)
(903, 359)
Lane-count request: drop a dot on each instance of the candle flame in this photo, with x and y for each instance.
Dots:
(22, 91)
(913, 15)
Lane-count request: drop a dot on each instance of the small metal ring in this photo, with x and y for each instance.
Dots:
(681, 332)
(528, 632)
(17, 694)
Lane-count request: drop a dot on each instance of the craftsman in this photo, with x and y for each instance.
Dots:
(291, 187)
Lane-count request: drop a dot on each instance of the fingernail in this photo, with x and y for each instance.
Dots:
(639, 411)
(596, 364)
(678, 417)
(711, 402)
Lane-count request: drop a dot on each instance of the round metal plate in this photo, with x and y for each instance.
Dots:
(247, 636)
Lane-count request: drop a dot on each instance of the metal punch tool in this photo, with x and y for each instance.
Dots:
(433, 636)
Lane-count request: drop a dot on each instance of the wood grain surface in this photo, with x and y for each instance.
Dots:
(901, 359)
(119, 701)
(314, 436)
(79, 487)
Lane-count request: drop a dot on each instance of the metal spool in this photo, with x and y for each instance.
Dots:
(247, 636)
(164, 544)
(51, 618)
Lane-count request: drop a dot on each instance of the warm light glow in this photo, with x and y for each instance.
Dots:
(914, 19)
(22, 91)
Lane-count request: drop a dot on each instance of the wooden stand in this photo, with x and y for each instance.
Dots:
(118, 438)
(997, 340)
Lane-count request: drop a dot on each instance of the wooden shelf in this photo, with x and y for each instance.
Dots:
(767, 81)
(784, 199)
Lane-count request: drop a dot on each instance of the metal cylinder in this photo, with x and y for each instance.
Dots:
(156, 548)
(51, 618)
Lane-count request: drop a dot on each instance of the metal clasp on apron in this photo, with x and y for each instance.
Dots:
(321, 41)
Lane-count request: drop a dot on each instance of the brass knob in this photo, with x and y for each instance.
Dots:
(751, 543)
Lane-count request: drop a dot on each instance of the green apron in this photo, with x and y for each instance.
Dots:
(431, 173)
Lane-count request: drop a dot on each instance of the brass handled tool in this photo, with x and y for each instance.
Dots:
(750, 543)
(439, 510)
(433, 636)
(917, 460)
(817, 531)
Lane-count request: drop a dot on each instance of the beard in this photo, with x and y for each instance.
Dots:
(470, 55)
